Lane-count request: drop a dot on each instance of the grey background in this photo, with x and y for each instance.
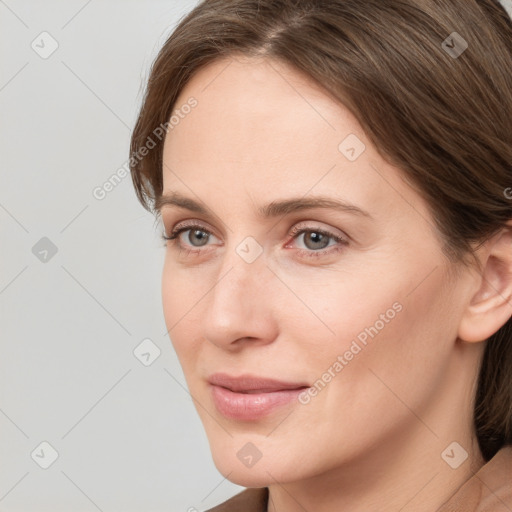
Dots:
(127, 435)
(508, 6)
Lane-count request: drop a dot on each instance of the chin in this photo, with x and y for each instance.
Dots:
(248, 477)
(265, 471)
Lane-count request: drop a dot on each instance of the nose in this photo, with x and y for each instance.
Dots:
(240, 307)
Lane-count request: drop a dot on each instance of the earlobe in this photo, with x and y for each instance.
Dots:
(490, 307)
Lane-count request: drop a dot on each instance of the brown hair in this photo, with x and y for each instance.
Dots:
(444, 120)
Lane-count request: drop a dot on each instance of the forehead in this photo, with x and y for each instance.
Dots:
(242, 100)
(260, 126)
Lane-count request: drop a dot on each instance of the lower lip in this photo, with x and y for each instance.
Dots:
(251, 406)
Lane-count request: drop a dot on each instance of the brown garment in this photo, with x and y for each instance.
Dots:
(488, 490)
(250, 500)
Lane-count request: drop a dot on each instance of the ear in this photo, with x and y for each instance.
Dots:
(491, 305)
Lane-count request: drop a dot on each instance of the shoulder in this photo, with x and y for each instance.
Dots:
(488, 490)
(496, 482)
(250, 500)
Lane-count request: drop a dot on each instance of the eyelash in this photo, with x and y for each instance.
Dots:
(297, 230)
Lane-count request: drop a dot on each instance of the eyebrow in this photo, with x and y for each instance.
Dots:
(270, 210)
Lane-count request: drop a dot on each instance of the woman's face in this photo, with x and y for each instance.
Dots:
(354, 302)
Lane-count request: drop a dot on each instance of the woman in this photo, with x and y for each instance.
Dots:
(334, 182)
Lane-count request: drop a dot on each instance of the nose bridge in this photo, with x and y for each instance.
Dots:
(243, 265)
(239, 279)
(239, 305)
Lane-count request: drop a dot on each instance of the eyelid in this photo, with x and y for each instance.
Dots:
(307, 226)
(193, 223)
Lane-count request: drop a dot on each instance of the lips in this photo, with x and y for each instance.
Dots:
(249, 398)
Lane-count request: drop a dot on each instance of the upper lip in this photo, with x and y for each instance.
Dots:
(245, 383)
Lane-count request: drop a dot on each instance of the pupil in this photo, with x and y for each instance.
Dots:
(201, 235)
(317, 238)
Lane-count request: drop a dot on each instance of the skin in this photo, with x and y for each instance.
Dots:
(372, 439)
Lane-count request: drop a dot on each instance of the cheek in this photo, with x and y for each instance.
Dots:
(389, 350)
(336, 309)
(394, 321)
(180, 300)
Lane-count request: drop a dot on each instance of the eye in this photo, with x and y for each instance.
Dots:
(316, 240)
(197, 236)
(191, 237)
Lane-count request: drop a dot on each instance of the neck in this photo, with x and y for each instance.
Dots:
(419, 482)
